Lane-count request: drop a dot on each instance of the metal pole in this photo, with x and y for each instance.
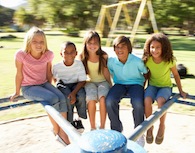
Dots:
(64, 124)
(7, 99)
(147, 123)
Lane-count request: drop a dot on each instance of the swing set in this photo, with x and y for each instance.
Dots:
(107, 11)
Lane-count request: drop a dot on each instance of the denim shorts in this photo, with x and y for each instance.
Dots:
(96, 90)
(156, 92)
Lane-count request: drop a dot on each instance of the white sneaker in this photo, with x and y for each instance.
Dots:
(141, 141)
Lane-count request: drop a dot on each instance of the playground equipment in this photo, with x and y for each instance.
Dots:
(122, 6)
(107, 141)
(97, 141)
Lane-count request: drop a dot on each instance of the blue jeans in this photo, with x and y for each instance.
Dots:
(47, 94)
(116, 93)
(80, 103)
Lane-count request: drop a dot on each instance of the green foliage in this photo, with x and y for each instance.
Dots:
(71, 31)
(84, 14)
(178, 13)
(64, 13)
(6, 16)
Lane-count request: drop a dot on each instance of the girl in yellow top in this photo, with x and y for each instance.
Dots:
(98, 84)
(159, 59)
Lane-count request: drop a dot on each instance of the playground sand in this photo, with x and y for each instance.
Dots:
(34, 134)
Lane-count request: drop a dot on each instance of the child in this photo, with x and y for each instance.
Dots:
(95, 60)
(33, 76)
(127, 72)
(71, 77)
(159, 59)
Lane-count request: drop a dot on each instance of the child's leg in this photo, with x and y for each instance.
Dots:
(161, 101)
(112, 106)
(92, 113)
(150, 95)
(148, 111)
(103, 112)
(63, 110)
(61, 133)
(103, 89)
(91, 98)
(81, 104)
(162, 96)
(136, 93)
(148, 107)
(56, 127)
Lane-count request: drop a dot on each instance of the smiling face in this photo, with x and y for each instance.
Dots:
(122, 52)
(122, 48)
(93, 45)
(37, 44)
(156, 49)
(69, 53)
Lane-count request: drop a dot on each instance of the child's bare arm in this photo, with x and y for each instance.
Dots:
(178, 81)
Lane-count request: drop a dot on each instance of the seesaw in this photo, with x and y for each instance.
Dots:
(97, 141)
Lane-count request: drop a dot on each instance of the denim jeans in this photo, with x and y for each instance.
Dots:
(116, 93)
(47, 94)
(80, 103)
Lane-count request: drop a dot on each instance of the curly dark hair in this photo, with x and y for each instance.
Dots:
(167, 52)
(85, 55)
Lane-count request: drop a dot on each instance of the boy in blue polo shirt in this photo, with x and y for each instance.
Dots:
(127, 71)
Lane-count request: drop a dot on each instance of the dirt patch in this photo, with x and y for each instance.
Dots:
(34, 135)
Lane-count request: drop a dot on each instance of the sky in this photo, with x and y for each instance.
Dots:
(11, 3)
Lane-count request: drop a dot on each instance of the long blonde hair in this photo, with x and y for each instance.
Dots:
(29, 36)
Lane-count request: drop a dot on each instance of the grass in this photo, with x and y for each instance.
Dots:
(184, 50)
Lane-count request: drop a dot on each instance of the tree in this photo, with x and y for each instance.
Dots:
(67, 13)
(22, 18)
(178, 13)
(6, 16)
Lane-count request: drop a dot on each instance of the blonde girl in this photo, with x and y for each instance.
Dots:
(33, 76)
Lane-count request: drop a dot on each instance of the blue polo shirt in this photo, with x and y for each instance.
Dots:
(129, 73)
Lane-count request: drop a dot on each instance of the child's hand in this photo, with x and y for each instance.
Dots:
(183, 94)
(72, 98)
(13, 98)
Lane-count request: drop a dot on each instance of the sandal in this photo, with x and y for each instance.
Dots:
(159, 139)
(160, 135)
(149, 138)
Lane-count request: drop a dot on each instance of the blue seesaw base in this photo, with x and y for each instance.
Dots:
(103, 141)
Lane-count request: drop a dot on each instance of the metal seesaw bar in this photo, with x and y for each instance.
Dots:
(147, 123)
(7, 99)
(104, 141)
(72, 133)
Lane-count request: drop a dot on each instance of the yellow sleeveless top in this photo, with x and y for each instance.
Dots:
(93, 72)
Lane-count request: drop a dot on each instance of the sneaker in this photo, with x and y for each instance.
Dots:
(78, 125)
(141, 141)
